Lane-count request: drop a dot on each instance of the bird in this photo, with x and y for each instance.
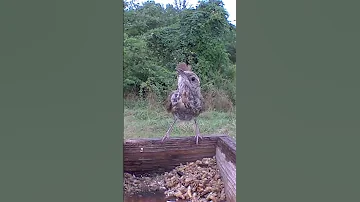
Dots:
(186, 102)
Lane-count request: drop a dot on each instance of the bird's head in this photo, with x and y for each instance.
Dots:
(189, 78)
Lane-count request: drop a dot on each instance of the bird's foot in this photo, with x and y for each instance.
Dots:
(166, 136)
(197, 136)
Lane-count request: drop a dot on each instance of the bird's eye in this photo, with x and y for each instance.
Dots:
(193, 79)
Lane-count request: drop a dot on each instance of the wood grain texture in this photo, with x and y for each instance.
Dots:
(228, 147)
(226, 162)
(151, 155)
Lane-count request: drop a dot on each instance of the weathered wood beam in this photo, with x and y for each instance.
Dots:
(226, 162)
(151, 155)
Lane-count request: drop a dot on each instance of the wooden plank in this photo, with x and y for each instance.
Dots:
(151, 155)
(226, 162)
(228, 147)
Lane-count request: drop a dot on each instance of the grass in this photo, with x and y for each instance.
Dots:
(142, 121)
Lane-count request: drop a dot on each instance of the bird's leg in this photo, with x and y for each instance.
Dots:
(197, 132)
(169, 130)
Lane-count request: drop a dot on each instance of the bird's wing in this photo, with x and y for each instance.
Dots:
(172, 100)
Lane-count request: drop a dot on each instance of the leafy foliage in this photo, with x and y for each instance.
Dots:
(157, 38)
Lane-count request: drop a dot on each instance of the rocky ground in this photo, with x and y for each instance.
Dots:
(195, 181)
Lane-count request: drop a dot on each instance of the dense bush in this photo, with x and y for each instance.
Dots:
(157, 38)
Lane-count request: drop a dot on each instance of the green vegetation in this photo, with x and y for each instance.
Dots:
(157, 38)
(140, 120)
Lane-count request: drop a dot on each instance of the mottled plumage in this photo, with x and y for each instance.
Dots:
(185, 103)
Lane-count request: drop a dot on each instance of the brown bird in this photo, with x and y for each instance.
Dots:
(185, 103)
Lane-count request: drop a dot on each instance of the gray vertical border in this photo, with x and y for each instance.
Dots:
(238, 101)
(122, 99)
(298, 100)
(61, 101)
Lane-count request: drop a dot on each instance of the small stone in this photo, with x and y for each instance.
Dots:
(194, 181)
(189, 191)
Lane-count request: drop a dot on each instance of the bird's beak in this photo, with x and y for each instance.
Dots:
(180, 72)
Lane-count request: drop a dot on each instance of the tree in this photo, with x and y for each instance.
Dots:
(157, 38)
